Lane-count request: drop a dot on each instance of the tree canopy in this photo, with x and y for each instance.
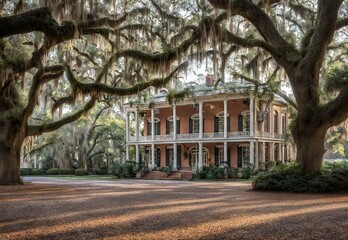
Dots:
(58, 53)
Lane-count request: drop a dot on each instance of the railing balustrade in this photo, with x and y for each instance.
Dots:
(217, 135)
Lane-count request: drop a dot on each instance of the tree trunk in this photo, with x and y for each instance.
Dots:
(309, 141)
(10, 147)
(12, 135)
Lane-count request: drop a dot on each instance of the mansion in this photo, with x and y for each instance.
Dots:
(222, 126)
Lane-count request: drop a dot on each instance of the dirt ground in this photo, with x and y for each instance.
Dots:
(53, 208)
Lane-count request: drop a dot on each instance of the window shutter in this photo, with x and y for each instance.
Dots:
(158, 159)
(228, 124)
(240, 156)
(179, 156)
(167, 157)
(203, 124)
(216, 124)
(240, 122)
(158, 128)
(177, 126)
(148, 128)
(167, 127)
(216, 156)
(190, 125)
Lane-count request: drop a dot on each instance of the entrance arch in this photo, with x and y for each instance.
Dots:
(194, 157)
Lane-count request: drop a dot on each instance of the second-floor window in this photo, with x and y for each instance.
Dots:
(266, 122)
(220, 122)
(244, 121)
(194, 123)
(157, 127)
(276, 121)
(170, 125)
(283, 124)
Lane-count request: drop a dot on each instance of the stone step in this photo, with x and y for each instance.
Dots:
(174, 176)
(186, 175)
(155, 175)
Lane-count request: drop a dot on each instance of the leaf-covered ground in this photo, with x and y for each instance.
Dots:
(53, 208)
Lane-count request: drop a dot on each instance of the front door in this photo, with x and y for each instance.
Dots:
(194, 158)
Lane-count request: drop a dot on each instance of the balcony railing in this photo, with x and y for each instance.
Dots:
(214, 135)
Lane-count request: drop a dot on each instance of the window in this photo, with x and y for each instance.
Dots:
(170, 157)
(283, 124)
(170, 125)
(157, 127)
(266, 122)
(276, 152)
(195, 123)
(244, 121)
(220, 121)
(275, 121)
(243, 155)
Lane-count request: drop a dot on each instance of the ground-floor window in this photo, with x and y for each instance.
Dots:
(276, 152)
(219, 156)
(243, 155)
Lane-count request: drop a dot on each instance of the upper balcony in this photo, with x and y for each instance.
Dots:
(207, 137)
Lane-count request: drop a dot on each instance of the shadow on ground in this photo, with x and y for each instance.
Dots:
(133, 209)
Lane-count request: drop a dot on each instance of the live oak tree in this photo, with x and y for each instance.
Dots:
(79, 50)
(151, 39)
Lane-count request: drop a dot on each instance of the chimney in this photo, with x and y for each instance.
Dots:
(209, 80)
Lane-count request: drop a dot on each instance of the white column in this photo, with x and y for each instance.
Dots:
(35, 158)
(152, 156)
(175, 151)
(153, 124)
(136, 153)
(127, 127)
(200, 156)
(257, 155)
(137, 125)
(127, 136)
(127, 152)
(251, 153)
(225, 118)
(252, 116)
(174, 122)
(225, 152)
(283, 153)
(200, 119)
(263, 155)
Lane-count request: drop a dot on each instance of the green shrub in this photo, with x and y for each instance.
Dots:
(81, 172)
(124, 170)
(66, 171)
(210, 173)
(100, 171)
(37, 171)
(233, 173)
(25, 171)
(52, 171)
(334, 177)
(166, 169)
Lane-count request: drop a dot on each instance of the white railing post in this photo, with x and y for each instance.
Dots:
(200, 120)
(175, 151)
(252, 116)
(174, 122)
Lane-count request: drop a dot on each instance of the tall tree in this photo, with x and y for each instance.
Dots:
(79, 50)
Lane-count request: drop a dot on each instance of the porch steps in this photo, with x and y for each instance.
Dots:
(186, 175)
(157, 175)
(174, 176)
